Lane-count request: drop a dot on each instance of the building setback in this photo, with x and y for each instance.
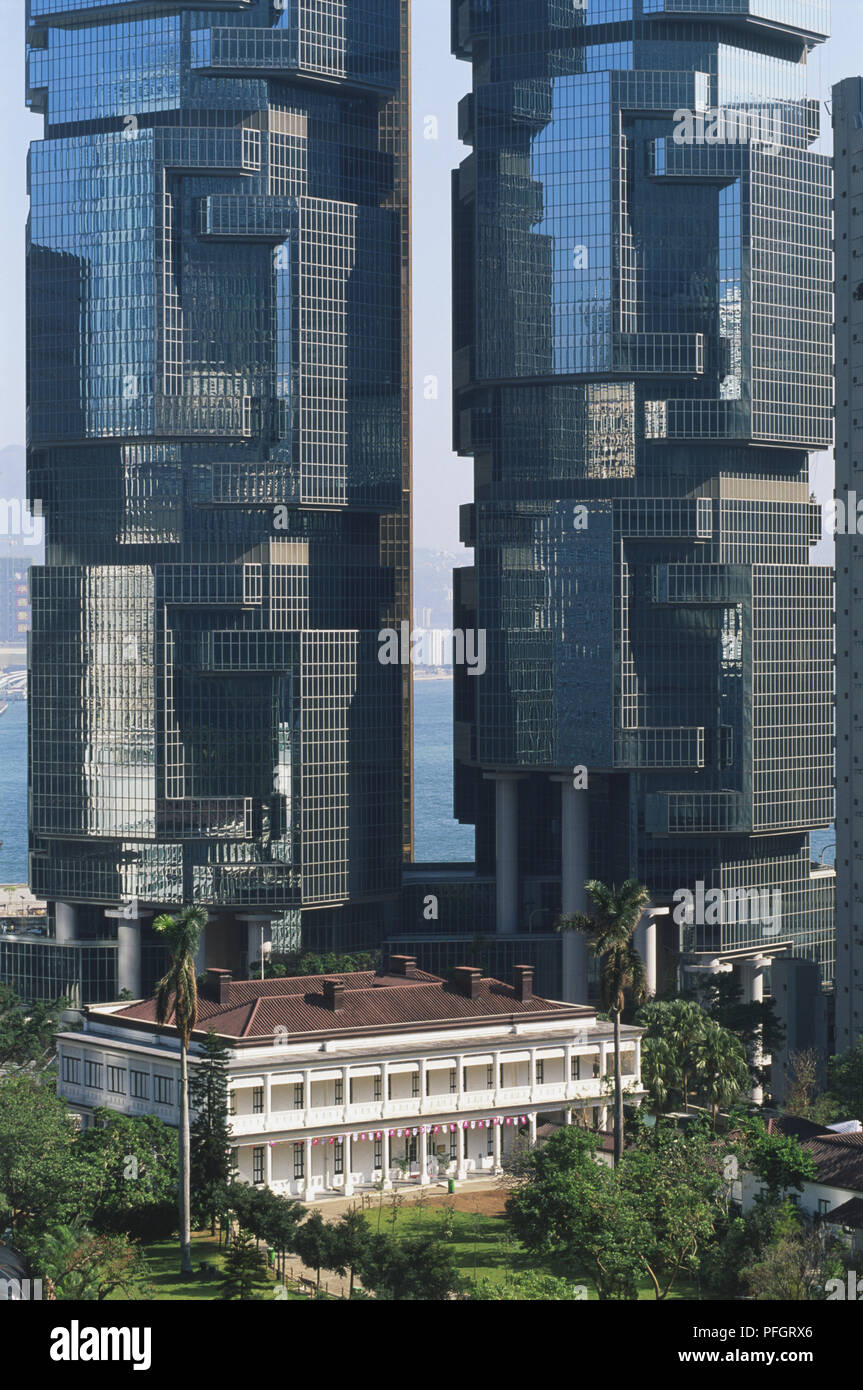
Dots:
(219, 416)
(343, 1081)
(848, 161)
(642, 364)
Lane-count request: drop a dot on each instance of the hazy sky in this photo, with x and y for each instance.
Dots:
(441, 481)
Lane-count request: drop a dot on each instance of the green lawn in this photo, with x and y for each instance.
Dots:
(166, 1282)
(484, 1248)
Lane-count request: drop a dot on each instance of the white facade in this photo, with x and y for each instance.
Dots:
(322, 1116)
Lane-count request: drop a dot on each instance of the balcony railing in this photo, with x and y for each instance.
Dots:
(409, 1107)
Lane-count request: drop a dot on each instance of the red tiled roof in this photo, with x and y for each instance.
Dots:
(256, 1008)
(839, 1158)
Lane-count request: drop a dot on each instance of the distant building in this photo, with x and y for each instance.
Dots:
(848, 161)
(343, 1081)
(14, 599)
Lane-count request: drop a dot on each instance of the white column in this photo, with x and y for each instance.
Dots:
(461, 1171)
(307, 1168)
(532, 1070)
(531, 1122)
(506, 852)
(386, 1159)
(64, 923)
(129, 956)
(423, 1082)
(753, 986)
(424, 1157)
(268, 1093)
(460, 1069)
(574, 871)
(497, 1143)
(348, 1158)
(496, 1064)
(268, 1165)
(645, 945)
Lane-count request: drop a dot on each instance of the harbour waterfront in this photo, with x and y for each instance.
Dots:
(437, 836)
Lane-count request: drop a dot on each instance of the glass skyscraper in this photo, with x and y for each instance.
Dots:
(643, 362)
(219, 440)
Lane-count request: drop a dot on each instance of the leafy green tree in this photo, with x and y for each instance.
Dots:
(778, 1160)
(419, 1269)
(795, 1264)
(41, 1177)
(845, 1084)
(27, 1029)
(264, 1213)
(753, 1024)
(648, 1219)
(528, 1288)
(315, 1244)
(129, 1172)
(210, 1131)
(81, 1265)
(177, 1000)
(351, 1236)
(568, 1206)
(244, 1266)
(674, 1031)
(721, 1068)
(609, 930)
(674, 1184)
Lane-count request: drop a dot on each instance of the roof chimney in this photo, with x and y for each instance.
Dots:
(523, 982)
(218, 986)
(466, 979)
(334, 994)
(405, 966)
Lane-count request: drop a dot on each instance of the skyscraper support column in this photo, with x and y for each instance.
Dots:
(506, 849)
(64, 923)
(130, 920)
(753, 991)
(573, 895)
(645, 945)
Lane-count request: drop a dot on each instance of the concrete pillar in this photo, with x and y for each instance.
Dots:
(574, 870)
(531, 1129)
(307, 1169)
(64, 923)
(461, 1171)
(506, 853)
(348, 1157)
(423, 1157)
(753, 993)
(387, 1160)
(497, 1149)
(129, 957)
(268, 1164)
(645, 945)
(460, 1069)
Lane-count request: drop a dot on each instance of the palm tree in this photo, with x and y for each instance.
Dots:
(609, 930)
(721, 1067)
(177, 995)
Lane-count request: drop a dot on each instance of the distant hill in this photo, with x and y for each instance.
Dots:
(13, 468)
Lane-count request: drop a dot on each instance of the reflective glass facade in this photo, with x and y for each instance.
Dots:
(219, 438)
(643, 361)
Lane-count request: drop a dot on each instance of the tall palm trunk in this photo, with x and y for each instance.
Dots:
(185, 1168)
(618, 1092)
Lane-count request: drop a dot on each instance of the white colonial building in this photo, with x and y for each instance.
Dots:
(346, 1081)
